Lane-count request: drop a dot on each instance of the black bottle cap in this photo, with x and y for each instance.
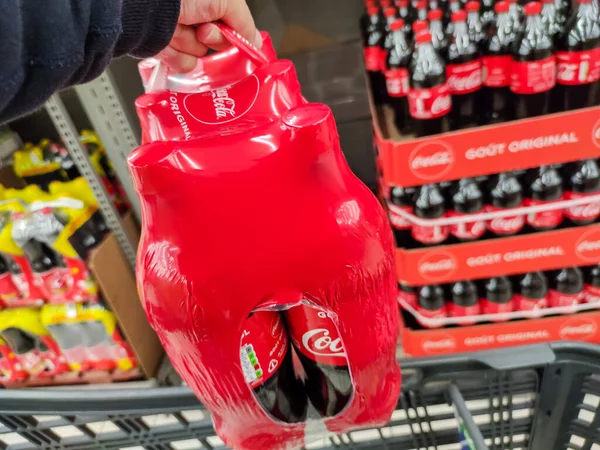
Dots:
(534, 286)
(593, 276)
(498, 290)
(431, 298)
(406, 288)
(569, 281)
(464, 293)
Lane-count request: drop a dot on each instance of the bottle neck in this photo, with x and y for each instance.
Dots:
(399, 39)
(503, 20)
(548, 9)
(436, 25)
(586, 10)
(460, 28)
(425, 49)
(533, 22)
(473, 16)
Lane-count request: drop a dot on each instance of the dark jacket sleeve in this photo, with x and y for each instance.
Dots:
(47, 45)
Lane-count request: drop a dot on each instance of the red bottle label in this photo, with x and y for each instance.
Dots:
(501, 311)
(263, 347)
(585, 212)
(591, 294)
(468, 230)
(531, 305)
(464, 78)
(578, 67)
(409, 298)
(558, 299)
(373, 58)
(545, 219)
(397, 82)
(496, 71)
(429, 103)
(397, 220)
(463, 311)
(505, 225)
(533, 77)
(315, 335)
(430, 235)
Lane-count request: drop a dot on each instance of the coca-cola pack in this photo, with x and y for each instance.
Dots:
(302, 310)
(492, 185)
(517, 62)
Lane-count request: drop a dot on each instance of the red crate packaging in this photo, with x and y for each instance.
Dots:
(581, 327)
(503, 256)
(523, 144)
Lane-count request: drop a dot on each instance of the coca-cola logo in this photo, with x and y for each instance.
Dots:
(431, 160)
(585, 211)
(579, 329)
(438, 343)
(441, 104)
(596, 134)
(465, 82)
(588, 246)
(223, 105)
(319, 343)
(437, 266)
(566, 71)
(507, 224)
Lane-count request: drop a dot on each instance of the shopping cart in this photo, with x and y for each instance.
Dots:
(542, 397)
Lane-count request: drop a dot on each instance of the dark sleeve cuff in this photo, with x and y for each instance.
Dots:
(148, 26)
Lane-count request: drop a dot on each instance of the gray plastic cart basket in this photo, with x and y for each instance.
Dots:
(542, 397)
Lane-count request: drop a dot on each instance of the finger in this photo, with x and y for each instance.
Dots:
(234, 13)
(179, 62)
(185, 41)
(237, 16)
(209, 35)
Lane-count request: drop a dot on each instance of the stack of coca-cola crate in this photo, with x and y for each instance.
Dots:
(487, 132)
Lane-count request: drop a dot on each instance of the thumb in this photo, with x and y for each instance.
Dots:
(237, 16)
(234, 13)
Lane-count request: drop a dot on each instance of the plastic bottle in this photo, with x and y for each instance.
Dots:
(397, 76)
(578, 60)
(533, 67)
(496, 71)
(463, 72)
(429, 99)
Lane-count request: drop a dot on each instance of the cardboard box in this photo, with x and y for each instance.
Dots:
(118, 286)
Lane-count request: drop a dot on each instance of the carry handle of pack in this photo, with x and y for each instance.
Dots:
(160, 74)
(244, 46)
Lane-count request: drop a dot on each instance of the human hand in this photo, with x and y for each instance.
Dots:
(196, 33)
